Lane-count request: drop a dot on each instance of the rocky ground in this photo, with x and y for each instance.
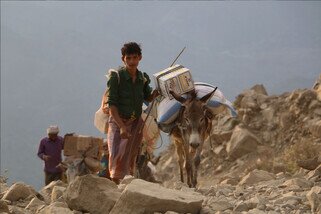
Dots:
(267, 160)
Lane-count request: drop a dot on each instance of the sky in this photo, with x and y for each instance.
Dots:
(54, 55)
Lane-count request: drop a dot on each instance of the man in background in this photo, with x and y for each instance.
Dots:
(50, 152)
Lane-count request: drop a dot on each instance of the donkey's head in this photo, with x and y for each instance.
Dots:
(195, 118)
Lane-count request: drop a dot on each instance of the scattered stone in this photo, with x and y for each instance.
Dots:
(256, 211)
(309, 164)
(317, 87)
(302, 183)
(3, 207)
(315, 129)
(18, 210)
(315, 173)
(35, 204)
(220, 204)
(259, 89)
(47, 190)
(232, 181)
(314, 198)
(127, 179)
(241, 207)
(57, 192)
(19, 191)
(255, 202)
(256, 176)
(286, 119)
(3, 187)
(55, 208)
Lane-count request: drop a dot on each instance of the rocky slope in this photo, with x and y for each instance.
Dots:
(267, 160)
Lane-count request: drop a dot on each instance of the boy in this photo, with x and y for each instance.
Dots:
(127, 91)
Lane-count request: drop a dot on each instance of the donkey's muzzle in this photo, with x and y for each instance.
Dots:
(194, 145)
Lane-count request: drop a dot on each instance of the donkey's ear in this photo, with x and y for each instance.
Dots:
(208, 113)
(177, 97)
(193, 94)
(208, 96)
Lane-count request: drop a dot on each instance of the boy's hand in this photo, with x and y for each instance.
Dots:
(105, 109)
(155, 94)
(124, 134)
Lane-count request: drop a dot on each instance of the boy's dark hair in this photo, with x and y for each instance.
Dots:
(131, 48)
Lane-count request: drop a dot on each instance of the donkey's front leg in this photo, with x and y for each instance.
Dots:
(196, 163)
(188, 166)
(180, 156)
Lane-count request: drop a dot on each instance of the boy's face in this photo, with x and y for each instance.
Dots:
(131, 61)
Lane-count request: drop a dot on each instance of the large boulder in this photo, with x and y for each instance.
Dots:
(90, 193)
(223, 128)
(19, 191)
(143, 197)
(241, 143)
(256, 176)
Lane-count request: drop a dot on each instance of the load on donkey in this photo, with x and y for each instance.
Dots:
(185, 112)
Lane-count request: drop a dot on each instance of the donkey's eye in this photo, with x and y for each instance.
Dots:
(202, 120)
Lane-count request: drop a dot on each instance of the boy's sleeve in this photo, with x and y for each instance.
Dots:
(112, 87)
(147, 88)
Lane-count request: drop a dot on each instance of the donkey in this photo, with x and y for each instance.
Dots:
(193, 127)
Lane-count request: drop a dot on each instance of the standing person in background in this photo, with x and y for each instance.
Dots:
(50, 152)
(104, 172)
(128, 88)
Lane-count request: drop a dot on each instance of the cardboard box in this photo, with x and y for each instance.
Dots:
(180, 81)
(79, 145)
(164, 72)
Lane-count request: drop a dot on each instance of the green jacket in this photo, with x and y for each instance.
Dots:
(127, 96)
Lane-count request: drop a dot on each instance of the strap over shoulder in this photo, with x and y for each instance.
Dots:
(110, 71)
(146, 78)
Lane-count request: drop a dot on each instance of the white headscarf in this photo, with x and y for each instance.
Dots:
(53, 130)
